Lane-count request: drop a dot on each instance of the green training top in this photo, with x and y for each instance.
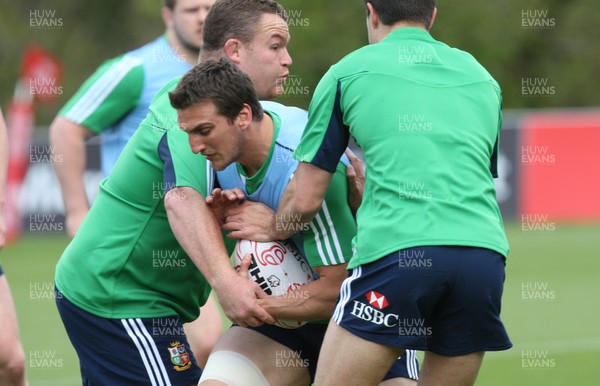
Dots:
(427, 117)
(124, 261)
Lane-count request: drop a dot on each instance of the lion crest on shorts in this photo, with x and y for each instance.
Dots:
(179, 356)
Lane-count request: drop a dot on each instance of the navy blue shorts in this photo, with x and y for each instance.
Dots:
(307, 341)
(1, 271)
(129, 351)
(442, 299)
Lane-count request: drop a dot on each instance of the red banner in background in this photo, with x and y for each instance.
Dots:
(42, 73)
(39, 80)
(559, 166)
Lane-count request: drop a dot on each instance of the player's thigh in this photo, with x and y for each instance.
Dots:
(204, 332)
(450, 370)
(347, 359)
(262, 352)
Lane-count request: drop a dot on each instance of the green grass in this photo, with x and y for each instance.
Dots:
(564, 328)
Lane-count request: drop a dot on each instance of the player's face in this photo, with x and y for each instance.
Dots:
(188, 21)
(266, 59)
(212, 134)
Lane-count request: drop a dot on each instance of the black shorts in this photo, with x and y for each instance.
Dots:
(307, 341)
(136, 351)
(443, 299)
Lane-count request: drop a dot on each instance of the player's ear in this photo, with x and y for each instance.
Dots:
(232, 49)
(244, 117)
(433, 15)
(167, 16)
(373, 17)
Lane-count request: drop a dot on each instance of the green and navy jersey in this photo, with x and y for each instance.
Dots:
(327, 240)
(427, 117)
(115, 99)
(125, 261)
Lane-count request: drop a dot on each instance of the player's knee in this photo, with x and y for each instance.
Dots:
(231, 369)
(12, 368)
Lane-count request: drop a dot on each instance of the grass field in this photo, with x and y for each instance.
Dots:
(551, 309)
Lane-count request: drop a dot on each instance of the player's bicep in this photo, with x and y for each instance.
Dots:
(328, 239)
(326, 136)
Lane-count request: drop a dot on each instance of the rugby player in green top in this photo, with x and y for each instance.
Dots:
(142, 261)
(112, 103)
(428, 267)
(251, 150)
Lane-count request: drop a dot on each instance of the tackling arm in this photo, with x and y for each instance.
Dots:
(198, 233)
(328, 246)
(313, 301)
(301, 200)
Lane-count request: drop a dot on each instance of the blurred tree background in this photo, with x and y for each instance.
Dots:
(556, 41)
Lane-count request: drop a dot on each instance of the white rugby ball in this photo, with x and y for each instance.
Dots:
(277, 267)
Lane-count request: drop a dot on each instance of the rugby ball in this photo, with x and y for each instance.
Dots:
(277, 267)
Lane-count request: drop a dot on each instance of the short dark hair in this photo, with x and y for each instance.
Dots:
(237, 19)
(170, 4)
(220, 82)
(393, 11)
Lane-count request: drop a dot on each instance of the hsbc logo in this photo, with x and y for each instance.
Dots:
(371, 313)
(408, 327)
(377, 300)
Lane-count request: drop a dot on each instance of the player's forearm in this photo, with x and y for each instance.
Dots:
(67, 141)
(301, 200)
(313, 301)
(198, 233)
